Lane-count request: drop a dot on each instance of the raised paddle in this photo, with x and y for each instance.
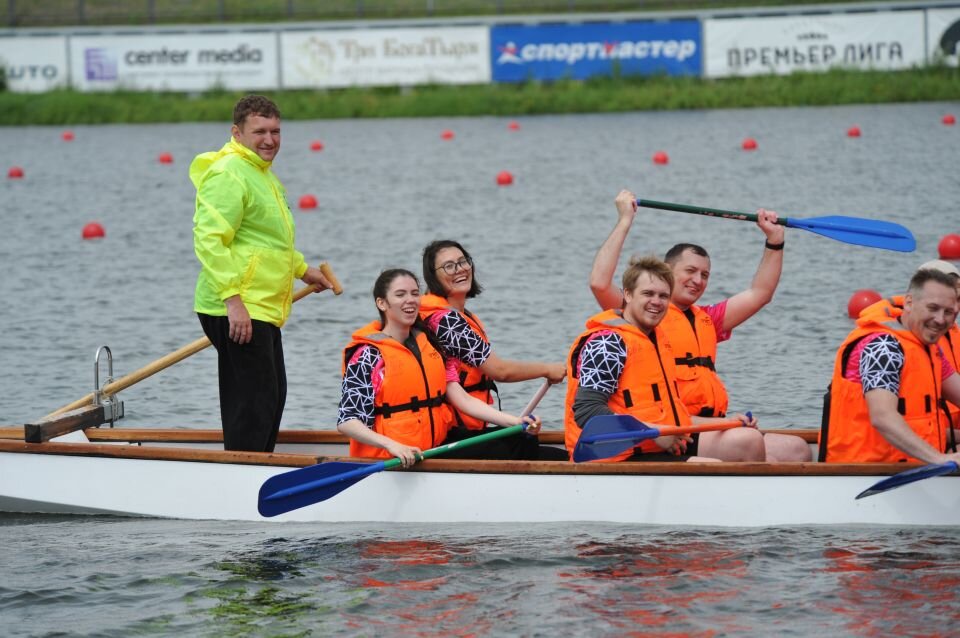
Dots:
(610, 434)
(317, 483)
(850, 230)
(910, 476)
(179, 355)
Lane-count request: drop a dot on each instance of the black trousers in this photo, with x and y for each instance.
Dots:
(253, 384)
(519, 447)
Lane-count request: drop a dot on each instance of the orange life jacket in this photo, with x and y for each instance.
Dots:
(473, 380)
(949, 343)
(695, 343)
(847, 436)
(647, 388)
(409, 406)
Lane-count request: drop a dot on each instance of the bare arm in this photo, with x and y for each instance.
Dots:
(507, 370)
(882, 405)
(745, 304)
(607, 294)
(356, 430)
(476, 408)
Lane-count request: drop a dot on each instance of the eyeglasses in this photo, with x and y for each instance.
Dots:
(451, 267)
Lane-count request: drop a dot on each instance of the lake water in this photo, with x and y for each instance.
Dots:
(385, 189)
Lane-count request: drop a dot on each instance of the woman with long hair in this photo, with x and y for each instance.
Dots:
(398, 391)
(448, 270)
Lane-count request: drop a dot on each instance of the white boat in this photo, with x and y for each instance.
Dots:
(186, 474)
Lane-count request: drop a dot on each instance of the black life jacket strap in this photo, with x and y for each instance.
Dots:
(694, 362)
(414, 405)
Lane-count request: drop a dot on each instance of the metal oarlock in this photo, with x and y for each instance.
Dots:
(112, 405)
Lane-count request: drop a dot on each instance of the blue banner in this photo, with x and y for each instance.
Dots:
(579, 51)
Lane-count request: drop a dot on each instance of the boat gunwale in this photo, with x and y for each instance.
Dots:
(159, 453)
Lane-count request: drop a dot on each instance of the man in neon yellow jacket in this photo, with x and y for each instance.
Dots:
(244, 238)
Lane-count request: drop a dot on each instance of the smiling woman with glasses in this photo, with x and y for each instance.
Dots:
(449, 273)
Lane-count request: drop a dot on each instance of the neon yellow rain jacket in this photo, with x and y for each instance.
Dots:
(243, 235)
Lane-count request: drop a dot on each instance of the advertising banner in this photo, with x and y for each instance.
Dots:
(385, 57)
(579, 51)
(174, 62)
(34, 64)
(784, 44)
(943, 35)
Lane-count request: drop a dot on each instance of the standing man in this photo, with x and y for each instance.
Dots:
(244, 238)
(694, 331)
(888, 379)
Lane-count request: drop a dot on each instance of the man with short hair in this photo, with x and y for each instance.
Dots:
(694, 331)
(243, 235)
(623, 364)
(889, 377)
(949, 343)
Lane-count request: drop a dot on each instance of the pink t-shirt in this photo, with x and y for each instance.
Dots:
(717, 312)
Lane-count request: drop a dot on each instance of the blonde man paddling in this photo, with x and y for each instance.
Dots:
(243, 236)
(694, 331)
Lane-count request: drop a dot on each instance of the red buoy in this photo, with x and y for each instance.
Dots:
(504, 178)
(165, 158)
(859, 300)
(749, 144)
(447, 134)
(308, 202)
(513, 126)
(949, 119)
(949, 247)
(15, 172)
(316, 146)
(661, 158)
(67, 136)
(853, 131)
(93, 230)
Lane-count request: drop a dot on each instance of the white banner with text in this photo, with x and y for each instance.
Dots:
(784, 44)
(175, 62)
(34, 64)
(385, 57)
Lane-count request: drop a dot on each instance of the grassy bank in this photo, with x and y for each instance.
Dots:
(596, 95)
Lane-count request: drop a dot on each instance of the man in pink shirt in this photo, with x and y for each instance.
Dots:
(694, 331)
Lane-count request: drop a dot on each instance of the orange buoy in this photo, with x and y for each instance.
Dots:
(853, 131)
(513, 126)
(859, 300)
(67, 136)
(749, 144)
(308, 202)
(15, 172)
(949, 119)
(93, 230)
(504, 178)
(661, 158)
(165, 158)
(949, 247)
(447, 134)
(316, 146)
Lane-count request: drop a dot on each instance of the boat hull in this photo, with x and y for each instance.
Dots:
(75, 484)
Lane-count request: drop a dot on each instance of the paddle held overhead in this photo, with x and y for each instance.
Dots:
(851, 230)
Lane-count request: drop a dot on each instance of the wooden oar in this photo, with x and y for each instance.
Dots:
(610, 434)
(910, 476)
(851, 230)
(317, 483)
(179, 355)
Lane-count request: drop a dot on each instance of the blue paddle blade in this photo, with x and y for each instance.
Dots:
(610, 434)
(309, 485)
(858, 231)
(910, 476)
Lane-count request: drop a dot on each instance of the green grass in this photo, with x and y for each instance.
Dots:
(597, 95)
